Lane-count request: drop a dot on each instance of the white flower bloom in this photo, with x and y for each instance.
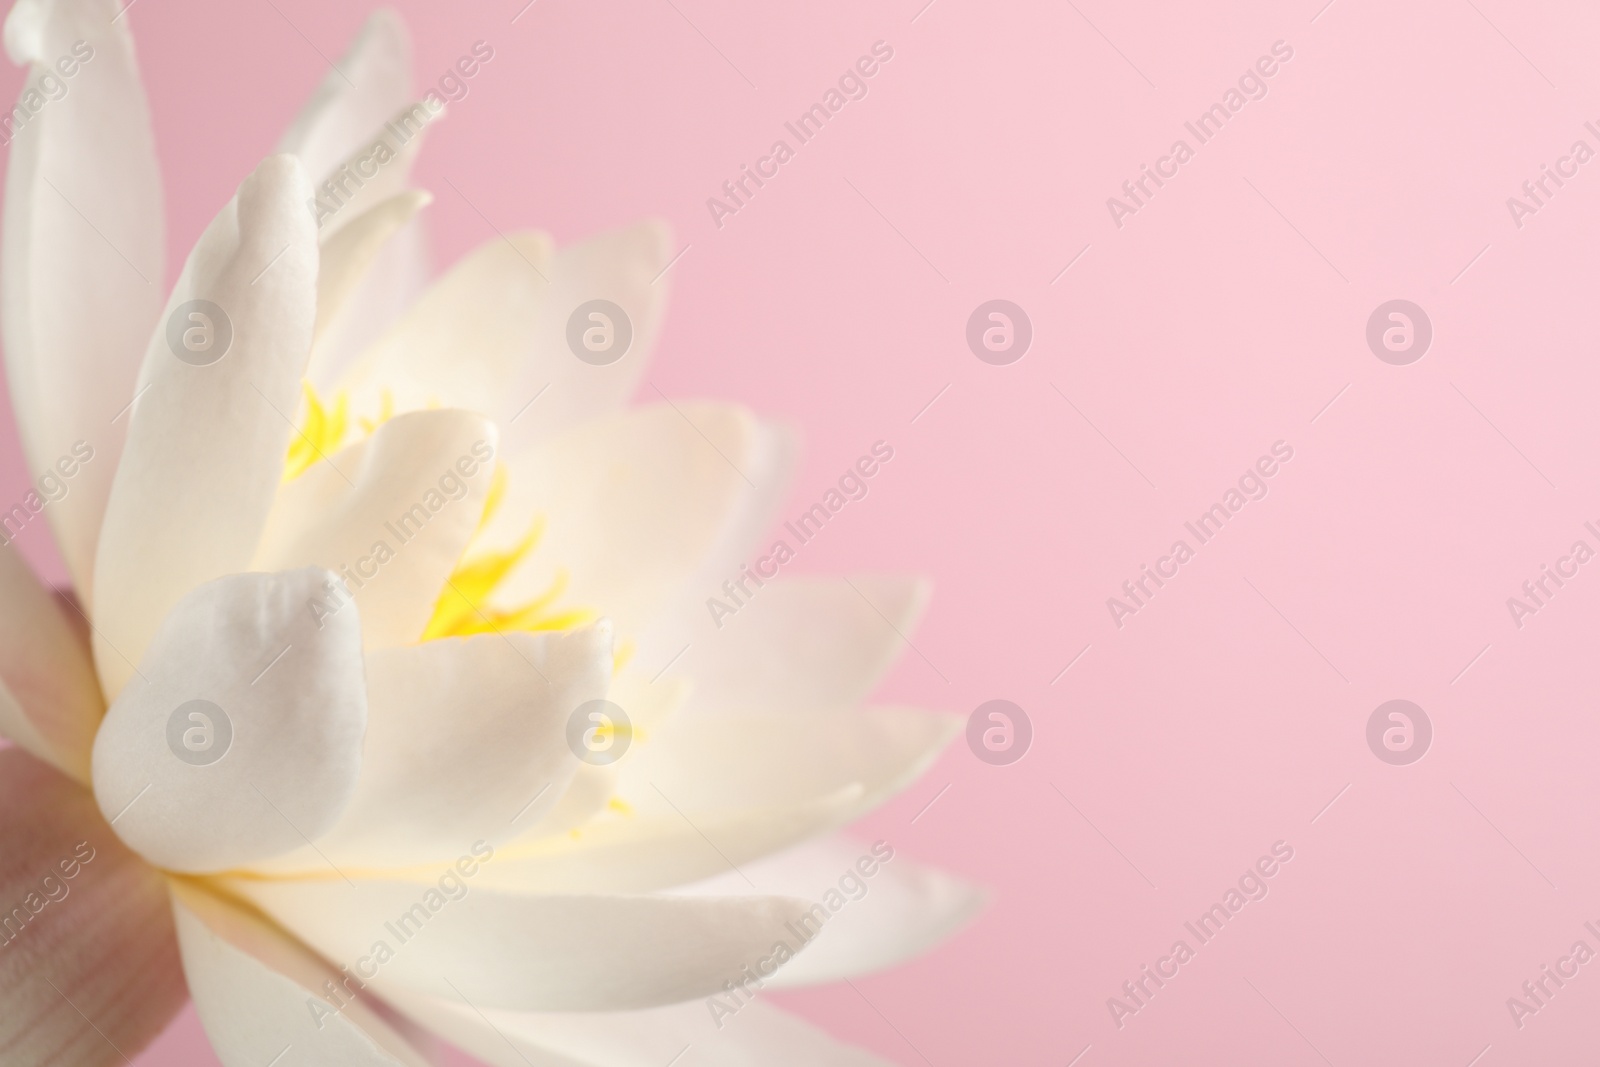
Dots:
(364, 582)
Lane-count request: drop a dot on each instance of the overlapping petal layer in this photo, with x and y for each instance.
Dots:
(82, 257)
(205, 449)
(85, 929)
(241, 737)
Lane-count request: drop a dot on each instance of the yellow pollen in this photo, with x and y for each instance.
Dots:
(322, 433)
(460, 610)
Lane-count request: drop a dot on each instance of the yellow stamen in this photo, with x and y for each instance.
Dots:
(622, 656)
(385, 413)
(321, 434)
(462, 610)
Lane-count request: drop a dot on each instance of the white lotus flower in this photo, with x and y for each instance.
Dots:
(312, 745)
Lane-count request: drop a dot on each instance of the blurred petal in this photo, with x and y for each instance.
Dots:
(348, 254)
(464, 341)
(260, 993)
(769, 464)
(367, 86)
(375, 172)
(88, 964)
(799, 644)
(662, 846)
(390, 515)
(533, 953)
(705, 762)
(714, 791)
(49, 700)
(622, 266)
(877, 912)
(633, 503)
(206, 446)
(466, 741)
(83, 251)
(241, 739)
(754, 1034)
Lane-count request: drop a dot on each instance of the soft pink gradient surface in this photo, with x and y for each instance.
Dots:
(1222, 317)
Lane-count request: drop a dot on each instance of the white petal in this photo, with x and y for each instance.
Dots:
(393, 283)
(348, 253)
(259, 993)
(662, 846)
(633, 504)
(466, 740)
(720, 789)
(717, 761)
(49, 700)
(463, 342)
(390, 515)
(799, 644)
(82, 914)
(748, 533)
(206, 447)
(878, 907)
(532, 953)
(83, 251)
(270, 756)
(371, 81)
(624, 267)
(752, 1034)
(376, 171)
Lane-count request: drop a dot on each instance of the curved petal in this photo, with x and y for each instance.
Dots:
(463, 342)
(49, 700)
(241, 739)
(206, 445)
(878, 908)
(721, 1031)
(375, 172)
(466, 740)
(348, 253)
(532, 953)
(82, 255)
(799, 644)
(726, 789)
(731, 760)
(259, 993)
(769, 466)
(658, 849)
(88, 964)
(371, 81)
(390, 516)
(632, 504)
(623, 266)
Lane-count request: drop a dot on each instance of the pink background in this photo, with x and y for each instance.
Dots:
(1222, 317)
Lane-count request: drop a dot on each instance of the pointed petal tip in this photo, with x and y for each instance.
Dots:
(24, 31)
